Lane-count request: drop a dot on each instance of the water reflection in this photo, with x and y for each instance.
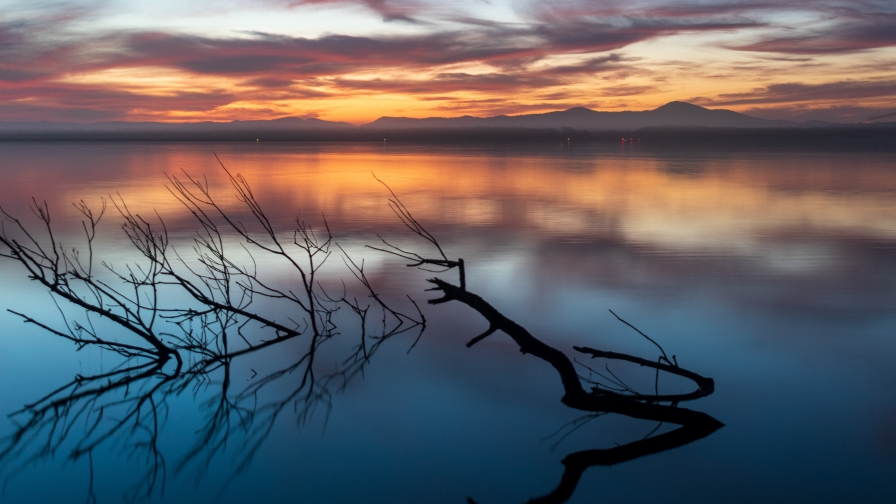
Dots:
(175, 322)
(192, 343)
(128, 407)
(722, 200)
(772, 272)
(575, 464)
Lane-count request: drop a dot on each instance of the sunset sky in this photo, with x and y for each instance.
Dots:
(357, 60)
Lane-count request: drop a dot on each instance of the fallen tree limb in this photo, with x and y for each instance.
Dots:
(636, 406)
(705, 386)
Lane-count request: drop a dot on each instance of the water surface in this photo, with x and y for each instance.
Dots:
(773, 272)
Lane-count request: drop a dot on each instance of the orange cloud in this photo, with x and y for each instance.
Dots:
(607, 55)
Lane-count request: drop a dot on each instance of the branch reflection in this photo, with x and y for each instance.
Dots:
(178, 322)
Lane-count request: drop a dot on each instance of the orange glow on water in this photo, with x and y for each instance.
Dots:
(731, 204)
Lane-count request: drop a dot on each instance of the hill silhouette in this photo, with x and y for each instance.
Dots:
(673, 124)
(578, 118)
(671, 114)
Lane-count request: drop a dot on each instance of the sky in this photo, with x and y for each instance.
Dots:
(357, 60)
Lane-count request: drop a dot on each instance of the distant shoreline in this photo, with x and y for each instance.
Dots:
(858, 136)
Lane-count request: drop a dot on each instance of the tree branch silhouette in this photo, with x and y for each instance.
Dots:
(617, 398)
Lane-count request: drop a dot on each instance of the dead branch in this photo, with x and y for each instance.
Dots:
(600, 400)
(636, 406)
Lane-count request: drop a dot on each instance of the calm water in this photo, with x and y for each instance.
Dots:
(772, 272)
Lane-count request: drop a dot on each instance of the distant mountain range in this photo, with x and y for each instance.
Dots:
(580, 118)
(674, 114)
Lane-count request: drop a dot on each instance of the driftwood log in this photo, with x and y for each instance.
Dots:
(693, 425)
(646, 407)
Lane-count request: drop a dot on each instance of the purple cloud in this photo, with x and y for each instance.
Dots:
(797, 92)
(849, 36)
(35, 55)
(390, 10)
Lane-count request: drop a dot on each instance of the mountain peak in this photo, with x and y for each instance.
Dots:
(678, 107)
(579, 110)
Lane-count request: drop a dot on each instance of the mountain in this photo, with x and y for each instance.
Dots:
(674, 114)
(580, 118)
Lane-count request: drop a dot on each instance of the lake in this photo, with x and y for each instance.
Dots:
(771, 271)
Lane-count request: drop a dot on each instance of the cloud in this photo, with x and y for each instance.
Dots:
(95, 102)
(598, 27)
(40, 43)
(277, 57)
(646, 12)
(798, 92)
(624, 90)
(848, 36)
(548, 46)
(841, 101)
(835, 26)
(448, 82)
(295, 57)
(840, 27)
(26, 112)
(390, 10)
(501, 46)
(590, 66)
(890, 115)
(501, 106)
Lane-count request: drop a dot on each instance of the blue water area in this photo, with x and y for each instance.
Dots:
(773, 272)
